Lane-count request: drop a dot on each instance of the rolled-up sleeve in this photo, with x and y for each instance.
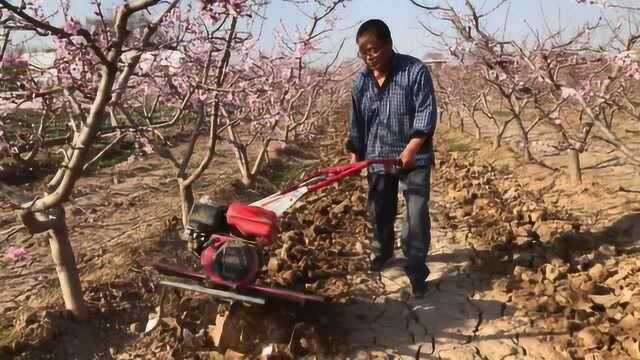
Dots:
(355, 142)
(426, 115)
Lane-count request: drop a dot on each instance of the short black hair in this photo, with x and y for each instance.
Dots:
(378, 28)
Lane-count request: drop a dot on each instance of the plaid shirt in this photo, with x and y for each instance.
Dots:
(384, 119)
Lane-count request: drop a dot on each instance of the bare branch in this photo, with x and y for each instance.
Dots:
(107, 148)
(427, 7)
(220, 75)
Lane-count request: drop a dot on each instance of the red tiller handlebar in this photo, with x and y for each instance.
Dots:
(330, 175)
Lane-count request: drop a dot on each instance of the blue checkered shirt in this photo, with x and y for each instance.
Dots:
(384, 119)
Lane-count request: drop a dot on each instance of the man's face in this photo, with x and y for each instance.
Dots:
(373, 52)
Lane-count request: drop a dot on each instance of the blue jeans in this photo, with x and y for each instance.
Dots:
(416, 229)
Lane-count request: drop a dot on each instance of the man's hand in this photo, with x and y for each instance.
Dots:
(407, 157)
(353, 158)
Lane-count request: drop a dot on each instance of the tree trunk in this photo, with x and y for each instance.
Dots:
(187, 200)
(525, 149)
(525, 141)
(113, 120)
(243, 164)
(575, 170)
(261, 157)
(246, 177)
(241, 157)
(497, 141)
(64, 260)
(54, 222)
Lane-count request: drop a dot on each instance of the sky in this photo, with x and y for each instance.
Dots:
(404, 19)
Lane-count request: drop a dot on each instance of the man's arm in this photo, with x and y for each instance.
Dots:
(355, 143)
(424, 123)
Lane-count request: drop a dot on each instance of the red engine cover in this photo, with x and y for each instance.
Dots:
(253, 221)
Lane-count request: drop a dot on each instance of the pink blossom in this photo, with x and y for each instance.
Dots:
(16, 253)
(235, 7)
(603, 3)
(144, 145)
(568, 92)
(14, 58)
(72, 26)
(60, 46)
(303, 48)
(213, 9)
(35, 8)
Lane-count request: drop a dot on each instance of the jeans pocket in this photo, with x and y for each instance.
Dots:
(416, 182)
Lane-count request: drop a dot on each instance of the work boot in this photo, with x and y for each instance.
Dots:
(419, 289)
(378, 263)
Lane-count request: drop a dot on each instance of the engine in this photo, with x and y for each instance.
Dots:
(204, 221)
(228, 240)
(233, 262)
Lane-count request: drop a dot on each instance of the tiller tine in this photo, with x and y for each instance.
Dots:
(298, 297)
(294, 296)
(226, 295)
(171, 270)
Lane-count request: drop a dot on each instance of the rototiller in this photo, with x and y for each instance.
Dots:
(229, 240)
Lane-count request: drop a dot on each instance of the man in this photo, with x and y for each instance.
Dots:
(393, 115)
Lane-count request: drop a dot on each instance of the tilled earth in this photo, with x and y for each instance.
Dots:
(573, 283)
